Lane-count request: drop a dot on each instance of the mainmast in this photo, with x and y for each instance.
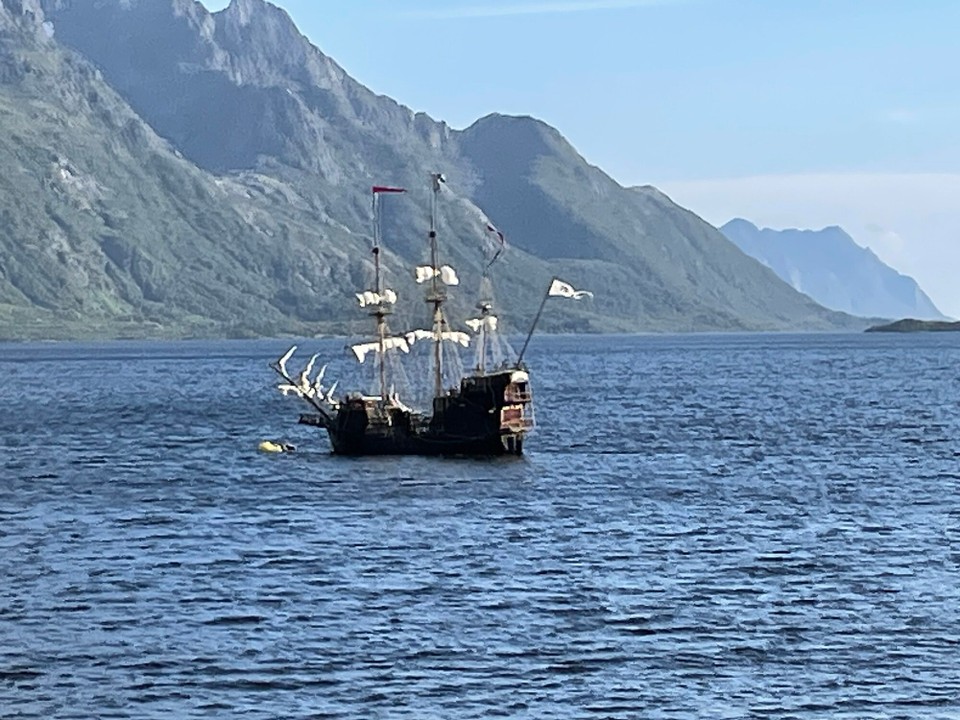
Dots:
(439, 277)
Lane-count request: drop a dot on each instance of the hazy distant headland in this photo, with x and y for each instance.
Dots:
(910, 325)
(831, 268)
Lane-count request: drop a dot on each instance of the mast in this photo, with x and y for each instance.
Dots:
(437, 291)
(533, 326)
(557, 288)
(482, 324)
(487, 322)
(380, 308)
(481, 339)
(379, 311)
(438, 276)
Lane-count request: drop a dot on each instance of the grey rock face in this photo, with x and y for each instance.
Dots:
(26, 15)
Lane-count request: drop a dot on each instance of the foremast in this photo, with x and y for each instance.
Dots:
(380, 300)
(380, 309)
(438, 292)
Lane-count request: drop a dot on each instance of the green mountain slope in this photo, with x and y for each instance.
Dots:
(658, 263)
(106, 230)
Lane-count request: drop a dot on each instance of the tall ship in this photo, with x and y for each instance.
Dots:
(485, 411)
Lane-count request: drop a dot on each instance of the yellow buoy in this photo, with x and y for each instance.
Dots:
(275, 447)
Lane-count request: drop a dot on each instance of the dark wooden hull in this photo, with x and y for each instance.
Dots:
(488, 415)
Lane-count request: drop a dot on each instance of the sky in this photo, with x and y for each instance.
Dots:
(790, 113)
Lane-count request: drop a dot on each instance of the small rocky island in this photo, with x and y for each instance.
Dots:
(909, 325)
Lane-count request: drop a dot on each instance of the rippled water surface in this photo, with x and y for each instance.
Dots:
(703, 526)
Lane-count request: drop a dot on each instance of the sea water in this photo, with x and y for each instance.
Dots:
(728, 526)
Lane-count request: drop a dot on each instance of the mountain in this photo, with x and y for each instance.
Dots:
(831, 268)
(170, 171)
(106, 230)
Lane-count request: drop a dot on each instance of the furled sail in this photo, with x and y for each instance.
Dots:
(447, 275)
(456, 336)
(303, 386)
(318, 382)
(461, 338)
(369, 297)
(389, 343)
(488, 323)
(282, 362)
(415, 335)
(304, 383)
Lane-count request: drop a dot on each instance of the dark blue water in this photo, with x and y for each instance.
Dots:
(703, 527)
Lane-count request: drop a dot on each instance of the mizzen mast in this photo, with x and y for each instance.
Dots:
(485, 326)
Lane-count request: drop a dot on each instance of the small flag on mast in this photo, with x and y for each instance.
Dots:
(491, 228)
(559, 288)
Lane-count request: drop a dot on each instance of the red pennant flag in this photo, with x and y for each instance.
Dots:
(386, 189)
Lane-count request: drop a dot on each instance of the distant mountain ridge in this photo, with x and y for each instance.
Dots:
(196, 173)
(831, 268)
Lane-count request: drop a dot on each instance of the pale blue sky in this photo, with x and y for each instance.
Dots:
(673, 89)
(677, 92)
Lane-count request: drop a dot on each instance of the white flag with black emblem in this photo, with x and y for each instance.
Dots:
(560, 288)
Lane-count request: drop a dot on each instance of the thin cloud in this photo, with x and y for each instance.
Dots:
(902, 116)
(534, 8)
(916, 116)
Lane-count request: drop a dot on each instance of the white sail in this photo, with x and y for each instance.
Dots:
(362, 349)
(396, 343)
(390, 343)
(282, 362)
(331, 391)
(487, 323)
(415, 335)
(460, 338)
(447, 275)
(318, 382)
(456, 336)
(305, 375)
(369, 297)
(286, 389)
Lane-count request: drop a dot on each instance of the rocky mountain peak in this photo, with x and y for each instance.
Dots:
(24, 13)
(246, 11)
(266, 47)
(522, 137)
(24, 8)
